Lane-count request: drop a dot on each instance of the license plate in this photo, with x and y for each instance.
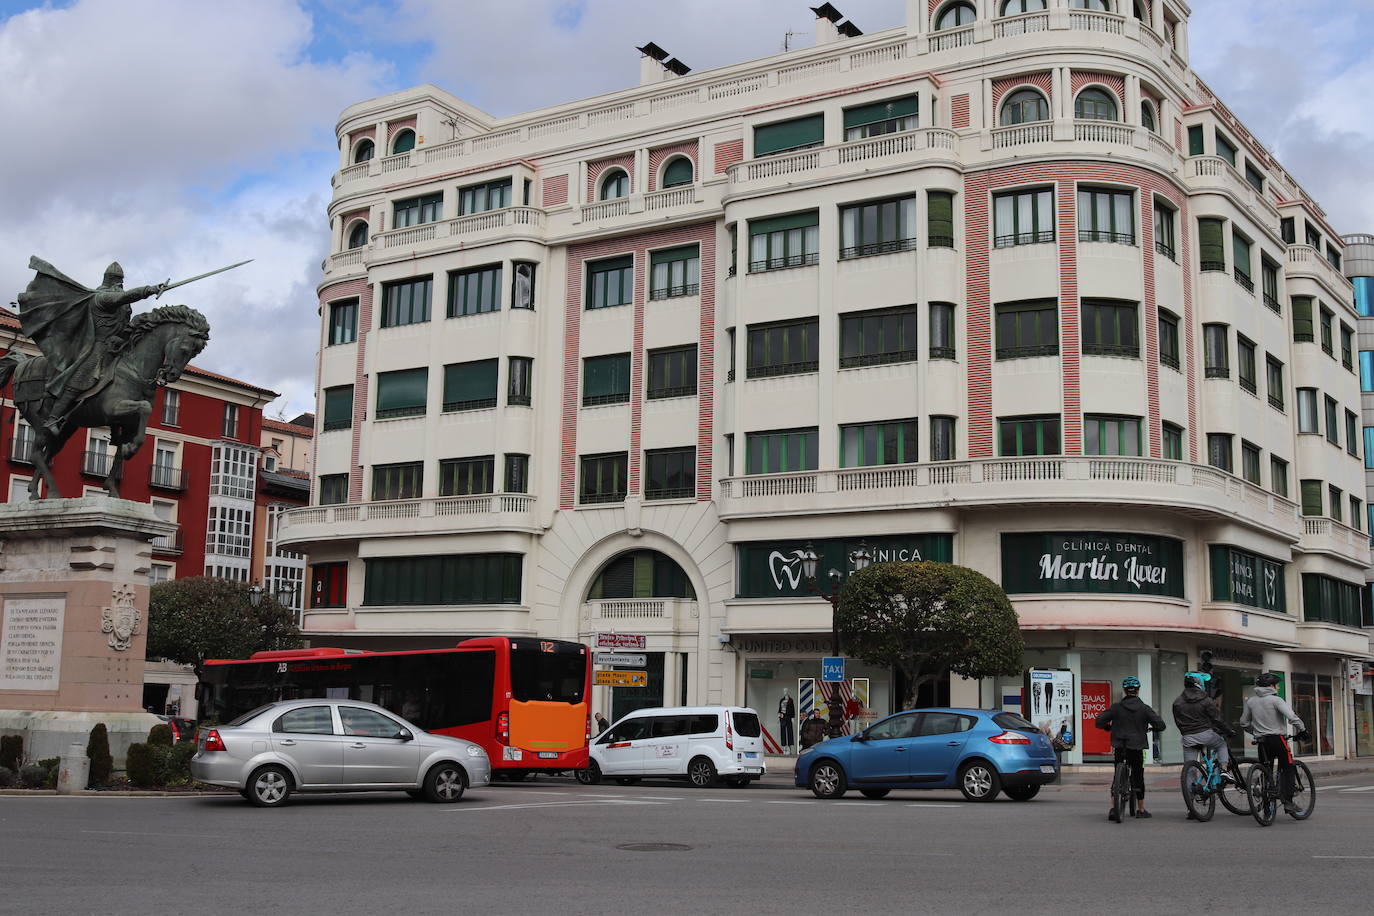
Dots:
(1047, 768)
(751, 769)
(751, 754)
(548, 755)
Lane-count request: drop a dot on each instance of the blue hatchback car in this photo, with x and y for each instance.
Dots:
(979, 751)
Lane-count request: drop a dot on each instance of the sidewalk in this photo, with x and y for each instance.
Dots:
(1099, 776)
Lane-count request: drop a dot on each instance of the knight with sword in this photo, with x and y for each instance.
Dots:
(80, 329)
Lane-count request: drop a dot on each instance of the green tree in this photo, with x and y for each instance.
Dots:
(190, 620)
(924, 619)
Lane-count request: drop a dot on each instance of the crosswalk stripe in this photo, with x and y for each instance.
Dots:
(1360, 789)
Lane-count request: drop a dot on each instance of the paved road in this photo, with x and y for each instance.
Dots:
(553, 847)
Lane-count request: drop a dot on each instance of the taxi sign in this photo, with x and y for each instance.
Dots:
(621, 678)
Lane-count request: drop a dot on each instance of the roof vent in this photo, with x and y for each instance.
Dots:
(829, 27)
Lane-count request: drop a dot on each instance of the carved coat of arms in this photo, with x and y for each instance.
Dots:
(122, 619)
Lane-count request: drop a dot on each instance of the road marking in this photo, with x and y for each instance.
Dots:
(1343, 857)
(1360, 789)
(731, 801)
(594, 795)
(932, 805)
(859, 804)
(660, 797)
(1332, 787)
(560, 804)
(199, 836)
(793, 803)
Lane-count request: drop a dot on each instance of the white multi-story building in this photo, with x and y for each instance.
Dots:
(995, 288)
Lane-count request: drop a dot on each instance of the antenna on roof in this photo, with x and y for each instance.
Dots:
(788, 36)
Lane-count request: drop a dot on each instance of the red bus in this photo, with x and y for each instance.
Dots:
(527, 701)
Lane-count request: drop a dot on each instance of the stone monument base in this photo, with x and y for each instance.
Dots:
(48, 733)
(73, 621)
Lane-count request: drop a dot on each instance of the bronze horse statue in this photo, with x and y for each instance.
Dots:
(155, 352)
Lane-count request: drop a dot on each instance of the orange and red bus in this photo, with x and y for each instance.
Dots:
(526, 700)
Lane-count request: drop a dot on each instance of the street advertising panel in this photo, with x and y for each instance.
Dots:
(1096, 697)
(1050, 697)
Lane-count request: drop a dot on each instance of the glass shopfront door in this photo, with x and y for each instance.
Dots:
(1312, 698)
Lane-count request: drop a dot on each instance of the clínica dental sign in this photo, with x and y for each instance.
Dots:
(1092, 562)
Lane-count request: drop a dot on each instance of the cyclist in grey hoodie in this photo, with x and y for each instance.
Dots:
(1267, 716)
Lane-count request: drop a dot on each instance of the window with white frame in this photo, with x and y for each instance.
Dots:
(97, 459)
(231, 421)
(21, 449)
(232, 470)
(19, 489)
(160, 572)
(229, 532)
(171, 407)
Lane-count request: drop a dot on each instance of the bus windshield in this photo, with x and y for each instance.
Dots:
(536, 674)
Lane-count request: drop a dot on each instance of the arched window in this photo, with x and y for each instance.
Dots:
(615, 184)
(1102, 6)
(1017, 7)
(678, 172)
(1095, 105)
(1147, 117)
(641, 574)
(955, 15)
(365, 151)
(1023, 107)
(404, 142)
(357, 236)
(1141, 11)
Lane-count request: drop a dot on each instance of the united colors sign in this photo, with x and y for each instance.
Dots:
(1092, 562)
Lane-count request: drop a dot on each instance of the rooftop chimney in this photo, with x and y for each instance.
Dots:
(826, 18)
(652, 68)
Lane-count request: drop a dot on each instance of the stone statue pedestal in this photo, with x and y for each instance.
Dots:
(73, 621)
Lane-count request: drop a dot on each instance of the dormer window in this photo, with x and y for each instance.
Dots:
(614, 185)
(404, 141)
(955, 15)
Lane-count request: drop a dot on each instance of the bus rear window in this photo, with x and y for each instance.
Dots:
(746, 723)
(557, 676)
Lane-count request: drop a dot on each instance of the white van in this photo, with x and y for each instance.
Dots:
(702, 744)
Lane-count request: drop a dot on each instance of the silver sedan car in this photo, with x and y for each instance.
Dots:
(324, 745)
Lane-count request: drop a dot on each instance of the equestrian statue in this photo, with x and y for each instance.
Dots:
(101, 365)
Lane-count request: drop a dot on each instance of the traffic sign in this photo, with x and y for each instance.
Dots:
(621, 641)
(832, 668)
(621, 658)
(620, 678)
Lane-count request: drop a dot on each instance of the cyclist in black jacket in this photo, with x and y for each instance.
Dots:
(1129, 720)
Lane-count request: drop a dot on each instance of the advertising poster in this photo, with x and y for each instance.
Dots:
(1049, 697)
(1097, 696)
(1092, 563)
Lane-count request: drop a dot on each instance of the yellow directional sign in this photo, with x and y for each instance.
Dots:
(621, 678)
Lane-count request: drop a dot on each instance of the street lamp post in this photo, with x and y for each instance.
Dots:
(255, 594)
(858, 559)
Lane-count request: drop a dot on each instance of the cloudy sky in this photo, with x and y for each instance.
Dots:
(181, 135)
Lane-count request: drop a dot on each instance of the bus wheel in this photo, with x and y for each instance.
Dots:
(590, 776)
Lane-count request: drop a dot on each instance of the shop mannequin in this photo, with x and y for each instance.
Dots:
(787, 712)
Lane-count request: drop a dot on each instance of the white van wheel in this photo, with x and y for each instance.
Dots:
(702, 773)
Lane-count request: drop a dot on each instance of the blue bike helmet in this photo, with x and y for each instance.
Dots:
(1130, 682)
(1196, 679)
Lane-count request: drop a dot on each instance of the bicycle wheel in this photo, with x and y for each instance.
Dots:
(1122, 796)
(1234, 796)
(1192, 780)
(1304, 792)
(1263, 799)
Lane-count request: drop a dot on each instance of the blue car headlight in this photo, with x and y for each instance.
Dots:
(475, 751)
(806, 750)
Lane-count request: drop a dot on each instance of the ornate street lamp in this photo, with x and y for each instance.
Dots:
(255, 594)
(810, 562)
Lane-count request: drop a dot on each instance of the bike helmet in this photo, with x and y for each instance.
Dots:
(1130, 682)
(1267, 679)
(1196, 679)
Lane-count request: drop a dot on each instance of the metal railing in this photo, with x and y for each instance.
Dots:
(166, 477)
(96, 464)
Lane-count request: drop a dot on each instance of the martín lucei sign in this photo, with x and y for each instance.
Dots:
(1092, 562)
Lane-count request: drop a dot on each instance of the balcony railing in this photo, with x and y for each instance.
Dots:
(1306, 259)
(165, 477)
(1103, 132)
(464, 226)
(432, 515)
(791, 166)
(660, 611)
(21, 450)
(1158, 482)
(169, 545)
(96, 464)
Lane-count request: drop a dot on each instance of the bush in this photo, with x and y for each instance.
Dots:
(178, 766)
(33, 776)
(50, 765)
(140, 766)
(11, 751)
(8, 779)
(98, 750)
(160, 735)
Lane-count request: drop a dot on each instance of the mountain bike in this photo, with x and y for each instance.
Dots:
(1262, 784)
(1204, 781)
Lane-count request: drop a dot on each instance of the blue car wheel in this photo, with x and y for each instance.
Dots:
(979, 781)
(828, 780)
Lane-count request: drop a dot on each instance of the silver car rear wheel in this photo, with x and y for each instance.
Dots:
(269, 787)
(445, 783)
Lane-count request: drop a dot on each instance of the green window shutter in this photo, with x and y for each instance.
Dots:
(784, 135)
(674, 254)
(1240, 250)
(468, 385)
(338, 407)
(678, 172)
(880, 111)
(1302, 318)
(940, 218)
(1211, 245)
(783, 223)
(1311, 497)
(612, 264)
(1195, 140)
(1221, 573)
(405, 391)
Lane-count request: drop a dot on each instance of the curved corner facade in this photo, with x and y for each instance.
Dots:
(1012, 291)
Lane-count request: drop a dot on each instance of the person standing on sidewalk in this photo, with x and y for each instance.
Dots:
(1128, 720)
